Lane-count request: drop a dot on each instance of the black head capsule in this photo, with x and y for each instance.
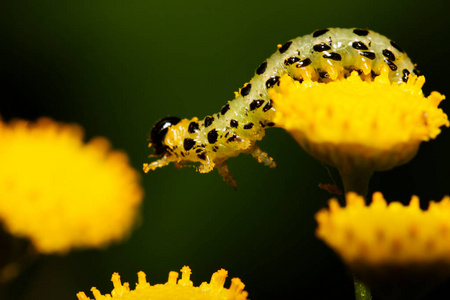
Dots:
(159, 132)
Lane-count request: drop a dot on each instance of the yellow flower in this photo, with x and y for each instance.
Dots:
(393, 243)
(387, 234)
(61, 193)
(359, 125)
(181, 290)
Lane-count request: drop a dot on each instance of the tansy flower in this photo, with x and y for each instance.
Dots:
(394, 247)
(181, 290)
(61, 193)
(359, 126)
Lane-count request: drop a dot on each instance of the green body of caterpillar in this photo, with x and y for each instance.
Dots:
(325, 55)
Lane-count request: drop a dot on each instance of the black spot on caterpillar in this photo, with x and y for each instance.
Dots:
(325, 55)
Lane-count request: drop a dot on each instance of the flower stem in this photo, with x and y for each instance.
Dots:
(358, 182)
(362, 292)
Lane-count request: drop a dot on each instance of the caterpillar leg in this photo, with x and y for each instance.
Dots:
(156, 164)
(222, 167)
(263, 157)
(207, 165)
(226, 175)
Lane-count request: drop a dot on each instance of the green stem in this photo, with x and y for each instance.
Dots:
(358, 182)
(362, 291)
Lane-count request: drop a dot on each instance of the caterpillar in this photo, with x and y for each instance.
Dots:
(324, 56)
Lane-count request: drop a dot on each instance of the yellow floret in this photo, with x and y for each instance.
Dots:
(61, 193)
(181, 290)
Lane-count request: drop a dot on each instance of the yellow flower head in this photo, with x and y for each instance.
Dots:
(355, 123)
(389, 243)
(181, 290)
(387, 234)
(61, 193)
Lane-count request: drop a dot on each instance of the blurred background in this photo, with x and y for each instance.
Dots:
(117, 67)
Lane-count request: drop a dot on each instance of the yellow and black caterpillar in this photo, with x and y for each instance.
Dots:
(325, 55)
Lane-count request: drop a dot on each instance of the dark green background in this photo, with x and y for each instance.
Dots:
(117, 67)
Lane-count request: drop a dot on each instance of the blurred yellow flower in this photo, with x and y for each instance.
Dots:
(181, 290)
(392, 244)
(386, 234)
(61, 193)
(359, 124)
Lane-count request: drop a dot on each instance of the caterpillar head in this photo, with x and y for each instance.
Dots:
(159, 132)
